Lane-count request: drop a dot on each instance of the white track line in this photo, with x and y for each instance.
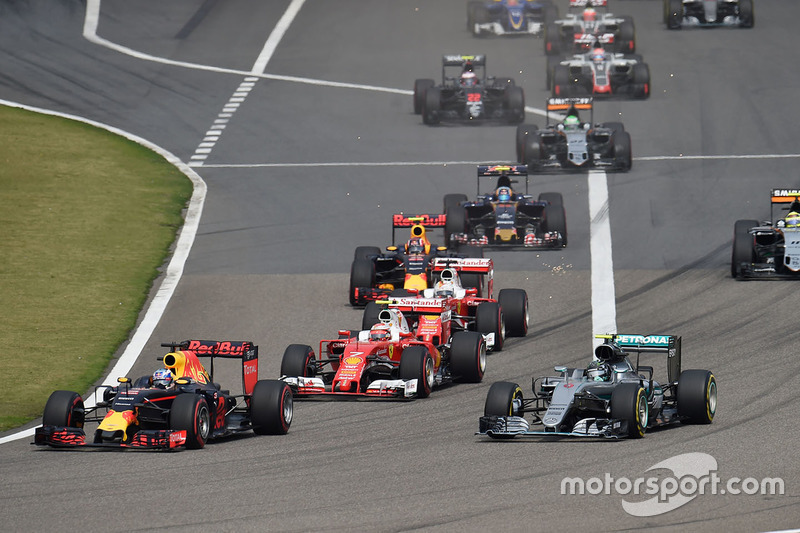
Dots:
(604, 305)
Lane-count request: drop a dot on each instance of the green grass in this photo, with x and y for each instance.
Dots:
(86, 222)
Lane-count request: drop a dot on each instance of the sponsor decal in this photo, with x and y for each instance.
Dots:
(353, 360)
(404, 221)
(650, 340)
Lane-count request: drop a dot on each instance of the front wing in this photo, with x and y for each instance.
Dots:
(315, 388)
(71, 437)
(506, 427)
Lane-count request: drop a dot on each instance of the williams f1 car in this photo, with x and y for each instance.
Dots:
(613, 398)
(766, 249)
(599, 73)
(503, 217)
(572, 144)
(732, 13)
(193, 410)
(466, 94)
(585, 25)
(509, 17)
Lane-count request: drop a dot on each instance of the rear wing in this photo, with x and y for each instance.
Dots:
(587, 3)
(476, 265)
(496, 171)
(667, 344)
(246, 351)
(457, 60)
(564, 104)
(400, 220)
(784, 196)
(412, 304)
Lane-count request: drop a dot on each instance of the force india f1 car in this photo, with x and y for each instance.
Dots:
(386, 361)
(585, 26)
(509, 17)
(622, 400)
(572, 144)
(599, 73)
(467, 94)
(678, 13)
(767, 250)
(504, 218)
(194, 410)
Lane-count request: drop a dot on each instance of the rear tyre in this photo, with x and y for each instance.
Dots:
(370, 316)
(673, 15)
(362, 274)
(697, 396)
(555, 219)
(629, 403)
(622, 151)
(64, 409)
(468, 356)
(553, 198)
(626, 41)
(552, 40)
(614, 126)
(641, 80)
(432, 106)
(743, 250)
(416, 363)
(455, 222)
(532, 155)
(514, 303)
(562, 85)
(271, 407)
(298, 361)
(453, 200)
(470, 250)
(500, 399)
(515, 104)
(525, 132)
(747, 17)
(420, 86)
(190, 412)
(489, 319)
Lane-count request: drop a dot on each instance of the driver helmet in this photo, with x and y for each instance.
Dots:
(504, 194)
(598, 54)
(572, 121)
(599, 371)
(380, 332)
(589, 14)
(415, 246)
(162, 378)
(468, 79)
(792, 220)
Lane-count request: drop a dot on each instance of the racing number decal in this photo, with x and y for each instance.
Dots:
(474, 97)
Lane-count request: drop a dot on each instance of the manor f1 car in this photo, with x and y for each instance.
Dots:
(678, 13)
(585, 25)
(509, 17)
(572, 144)
(766, 249)
(466, 94)
(503, 217)
(599, 73)
(188, 413)
(613, 398)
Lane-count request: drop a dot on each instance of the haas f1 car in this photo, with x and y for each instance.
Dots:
(189, 412)
(766, 249)
(732, 13)
(466, 94)
(599, 73)
(612, 398)
(509, 17)
(572, 144)
(588, 23)
(503, 217)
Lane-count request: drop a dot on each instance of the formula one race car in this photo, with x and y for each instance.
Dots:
(766, 249)
(611, 398)
(188, 409)
(467, 94)
(375, 275)
(385, 361)
(678, 13)
(599, 73)
(503, 217)
(584, 26)
(573, 144)
(509, 17)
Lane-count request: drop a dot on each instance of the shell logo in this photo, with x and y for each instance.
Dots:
(353, 361)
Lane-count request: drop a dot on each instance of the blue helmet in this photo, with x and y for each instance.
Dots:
(162, 378)
(504, 194)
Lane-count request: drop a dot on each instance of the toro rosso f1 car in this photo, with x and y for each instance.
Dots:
(509, 17)
(503, 217)
(188, 413)
(572, 144)
(766, 249)
(613, 398)
(586, 25)
(466, 94)
(732, 13)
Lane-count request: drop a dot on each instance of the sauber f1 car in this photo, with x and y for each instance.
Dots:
(190, 412)
(766, 249)
(503, 217)
(678, 13)
(572, 144)
(586, 25)
(599, 73)
(509, 17)
(466, 94)
(385, 361)
(613, 398)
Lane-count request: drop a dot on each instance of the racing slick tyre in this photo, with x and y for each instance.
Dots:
(468, 356)
(532, 154)
(562, 85)
(455, 221)
(489, 319)
(696, 396)
(299, 361)
(64, 408)
(552, 63)
(366, 252)
(552, 40)
(525, 132)
(641, 80)
(514, 303)
(469, 250)
(515, 104)
(362, 274)
(271, 407)
(552, 198)
(190, 412)
(626, 40)
(746, 15)
(420, 86)
(416, 363)
(555, 219)
(431, 106)
(500, 399)
(370, 316)
(614, 126)
(629, 403)
(453, 200)
(673, 14)
(476, 14)
(622, 151)
(550, 12)
(742, 246)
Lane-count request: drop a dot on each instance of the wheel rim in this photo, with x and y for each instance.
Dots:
(429, 372)
(711, 399)
(482, 358)
(203, 422)
(642, 411)
(516, 403)
(288, 407)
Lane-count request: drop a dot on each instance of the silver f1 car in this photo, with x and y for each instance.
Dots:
(613, 398)
(678, 13)
(585, 25)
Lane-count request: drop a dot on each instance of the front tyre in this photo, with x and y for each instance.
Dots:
(298, 361)
(64, 409)
(416, 363)
(504, 399)
(629, 403)
(743, 246)
(190, 412)
(271, 407)
(697, 396)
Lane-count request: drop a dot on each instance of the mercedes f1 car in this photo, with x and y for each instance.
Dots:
(385, 361)
(466, 94)
(584, 26)
(190, 412)
(766, 249)
(509, 17)
(599, 73)
(613, 398)
(503, 217)
(572, 144)
(732, 13)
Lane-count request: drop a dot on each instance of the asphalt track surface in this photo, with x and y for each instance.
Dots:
(272, 254)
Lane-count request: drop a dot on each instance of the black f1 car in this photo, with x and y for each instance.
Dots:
(612, 398)
(467, 94)
(766, 249)
(191, 411)
(679, 13)
(509, 17)
(503, 217)
(572, 143)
